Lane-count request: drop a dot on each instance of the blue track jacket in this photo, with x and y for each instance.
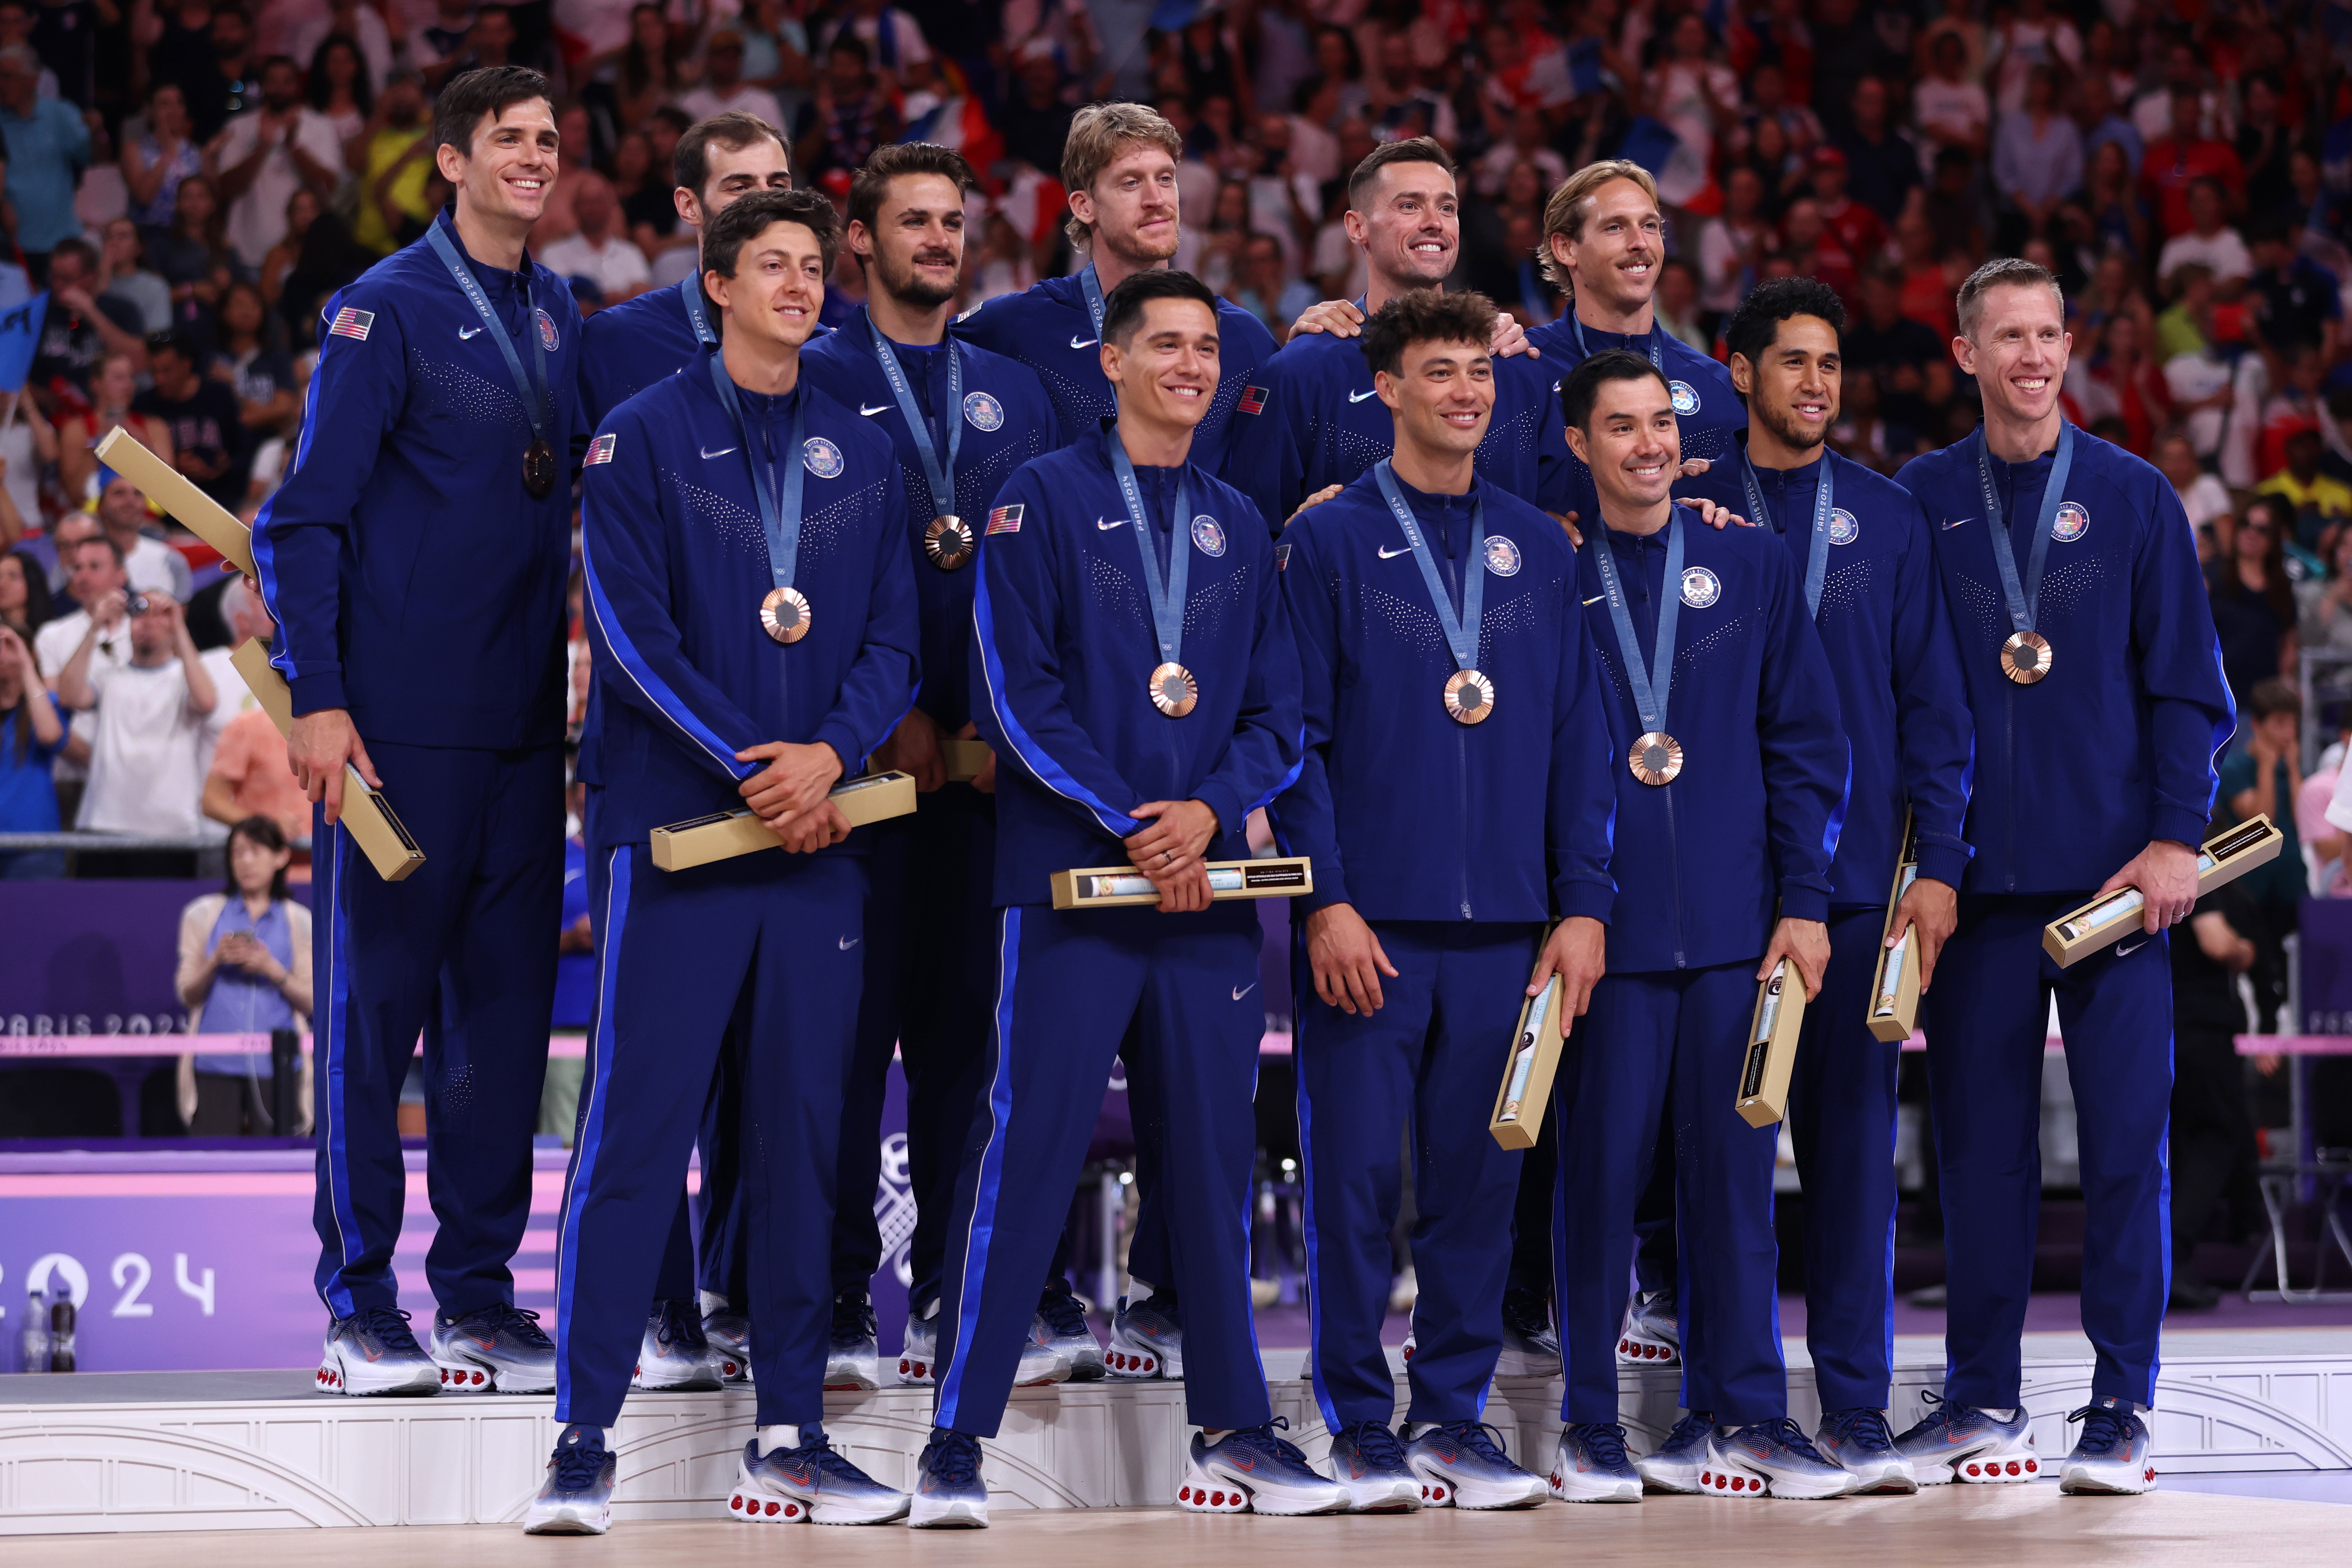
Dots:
(628, 347)
(1006, 422)
(2115, 747)
(677, 564)
(1324, 425)
(1064, 647)
(1508, 819)
(1048, 328)
(1706, 406)
(413, 579)
(1883, 626)
(1752, 821)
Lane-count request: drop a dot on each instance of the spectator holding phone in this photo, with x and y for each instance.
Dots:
(245, 969)
(31, 735)
(145, 768)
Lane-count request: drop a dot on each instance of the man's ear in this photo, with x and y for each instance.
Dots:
(1576, 445)
(1743, 375)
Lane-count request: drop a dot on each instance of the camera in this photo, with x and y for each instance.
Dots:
(138, 604)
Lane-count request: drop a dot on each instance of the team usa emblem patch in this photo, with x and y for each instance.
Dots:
(1844, 529)
(2071, 523)
(1701, 587)
(1252, 400)
(1684, 396)
(1208, 536)
(985, 411)
(1006, 519)
(822, 457)
(547, 334)
(352, 323)
(1502, 556)
(600, 450)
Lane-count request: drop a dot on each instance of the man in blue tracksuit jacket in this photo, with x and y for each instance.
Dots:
(931, 967)
(1728, 804)
(1443, 837)
(1140, 705)
(2092, 666)
(1120, 167)
(414, 562)
(1320, 422)
(1865, 553)
(709, 697)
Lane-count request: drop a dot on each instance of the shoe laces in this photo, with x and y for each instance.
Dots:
(389, 1327)
(853, 1318)
(2105, 1430)
(677, 1323)
(1478, 1437)
(953, 1456)
(1863, 1431)
(1694, 1424)
(1789, 1436)
(1376, 1443)
(816, 1450)
(1263, 1437)
(1063, 1313)
(513, 1320)
(1604, 1440)
(580, 1465)
(1941, 1412)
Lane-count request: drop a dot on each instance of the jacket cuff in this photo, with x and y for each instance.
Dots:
(318, 693)
(1589, 900)
(1944, 863)
(844, 741)
(2173, 822)
(1803, 903)
(1330, 888)
(1231, 820)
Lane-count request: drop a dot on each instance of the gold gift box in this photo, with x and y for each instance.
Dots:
(1771, 1046)
(1117, 887)
(1895, 987)
(2107, 920)
(723, 835)
(1525, 1090)
(964, 758)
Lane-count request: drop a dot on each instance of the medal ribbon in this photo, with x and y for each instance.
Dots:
(2024, 599)
(782, 521)
(1817, 560)
(1651, 687)
(537, 404)
(1168, 598)
(942, 476)
(1462, 633)
(1651, 343)
(1093, 286)
(689, 293)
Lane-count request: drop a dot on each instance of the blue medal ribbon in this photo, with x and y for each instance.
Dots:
(942, 476)
(1460, 632)
(2024, 598)
(1817, 558)
(1652, 685)
(1092, 285)
(781, 519)
(689, 294)
(1168, 597)
(537, 404)
(1656, 359)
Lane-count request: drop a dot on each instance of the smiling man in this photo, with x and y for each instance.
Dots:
(2099, 707)
(414, 562)
(713, 693)
(1322, 421)
(1448, 677)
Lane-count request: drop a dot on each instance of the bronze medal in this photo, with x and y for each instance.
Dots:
(1656, 758)
(2026, 657)
(948, 542)
(1469, 697)
(784, 614)
(1173, 691)
(539, 469)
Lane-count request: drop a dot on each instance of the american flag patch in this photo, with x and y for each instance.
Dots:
(1281, 558)
(600, 450)
(1006, 519)
(1252, 400)
(353, 324)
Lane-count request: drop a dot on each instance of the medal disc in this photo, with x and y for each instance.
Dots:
(784, 614)
(1469, 697)
(539, 469)
(1173, 691)
(1656, 758)
(948, 542)
(2026, 657)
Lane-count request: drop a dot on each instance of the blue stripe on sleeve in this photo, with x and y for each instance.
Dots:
(656, 688)
(1049, 772)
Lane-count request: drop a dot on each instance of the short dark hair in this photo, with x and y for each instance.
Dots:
(175, 343)
(1582, 387)
(1123, 307)
(887, 163)
(689, 166)
(264, 832)
(104, 538)
(2270, 698)
(76, 247)
(1425, 315)
(1412, 150)
(474, 96)
(744, 221)
(1757, 322)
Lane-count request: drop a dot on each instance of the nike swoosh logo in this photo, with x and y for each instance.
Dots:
(1596, 598)
(849, 941)
(1242, 991)
(1387, 554)
(2123, 951)
(1084, 343)
(1360, 397)
(1955, 521)
(1101, 524)
(721, 452)
(870, 413)
(468, 331)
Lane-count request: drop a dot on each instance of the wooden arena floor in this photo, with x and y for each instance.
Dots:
(1966, 1527)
